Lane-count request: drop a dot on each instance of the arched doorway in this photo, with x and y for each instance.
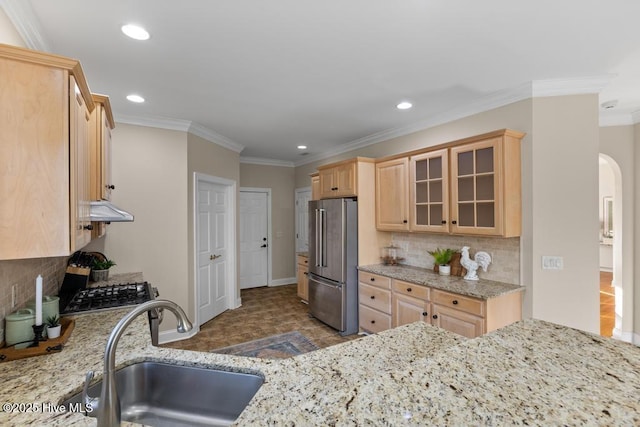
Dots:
(612, 242)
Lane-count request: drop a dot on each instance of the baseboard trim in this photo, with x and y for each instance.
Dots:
(282, 282)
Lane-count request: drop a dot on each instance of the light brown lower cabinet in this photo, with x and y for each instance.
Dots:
(303, 277)
(386, 303)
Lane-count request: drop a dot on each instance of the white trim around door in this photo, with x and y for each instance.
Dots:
(267, 191)
(232, 283)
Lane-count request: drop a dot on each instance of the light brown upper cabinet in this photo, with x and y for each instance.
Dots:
(45, 105)
(429, 191)
(468, 187)
(339, 179)
(392, 195)
(315, 186)
(100, 126)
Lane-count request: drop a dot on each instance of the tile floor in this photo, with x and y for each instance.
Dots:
(264, 312)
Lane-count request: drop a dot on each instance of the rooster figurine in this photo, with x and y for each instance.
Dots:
(481, 259)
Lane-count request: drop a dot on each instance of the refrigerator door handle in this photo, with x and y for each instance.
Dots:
(323, 237)
(317, 237)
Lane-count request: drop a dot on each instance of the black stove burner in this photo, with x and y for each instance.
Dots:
(106, 297)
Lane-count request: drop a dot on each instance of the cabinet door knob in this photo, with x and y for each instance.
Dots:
(305, 273)
(425, 314)
(88, 227)
(373, 279)
(373, 321)
(111, 187)
(454, 222)
(405, 221)
(435, 316)
(373, 297)
(455, 302)
(408, 289)
(444, 221)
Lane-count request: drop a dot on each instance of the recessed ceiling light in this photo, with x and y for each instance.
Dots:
(302, 147)
(135, 32)
(609, 104)
(404, 105)
(135, 98)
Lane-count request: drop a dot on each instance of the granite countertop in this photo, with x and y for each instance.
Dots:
(530, 372)
(482, 289)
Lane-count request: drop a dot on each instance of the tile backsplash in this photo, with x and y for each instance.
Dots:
(22, 273)
(505, 253)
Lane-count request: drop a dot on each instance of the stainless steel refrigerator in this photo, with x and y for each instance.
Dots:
(333, 258)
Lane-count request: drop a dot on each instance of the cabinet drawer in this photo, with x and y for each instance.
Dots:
(372, 320)
(375, 280)
(459, 302)
(411, 289)
(303, 260)
(374, 297)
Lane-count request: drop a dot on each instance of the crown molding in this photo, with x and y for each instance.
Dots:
(266, 162)
(22, 17)
(183, 126)
(533, 89)
(216, 138)
(573, 86)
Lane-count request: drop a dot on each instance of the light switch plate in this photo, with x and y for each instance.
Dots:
(552, 262)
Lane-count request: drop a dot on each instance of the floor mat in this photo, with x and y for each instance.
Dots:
(279, 346)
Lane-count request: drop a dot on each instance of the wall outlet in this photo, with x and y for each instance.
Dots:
(552, 263)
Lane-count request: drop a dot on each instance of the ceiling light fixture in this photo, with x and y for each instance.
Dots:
(609, 104)
(404, 105)
(135, 32)
(302, 147)
(135, 98)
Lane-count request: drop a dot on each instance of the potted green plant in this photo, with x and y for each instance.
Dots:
(100, 269)
(53, 327)
(442, 258)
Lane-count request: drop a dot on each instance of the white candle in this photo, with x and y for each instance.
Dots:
(39, 300)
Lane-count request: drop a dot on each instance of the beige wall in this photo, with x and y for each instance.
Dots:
(280, 180)
(207, 158)
(149, 167)
(636, 220)
(565, 210)
(617, 145)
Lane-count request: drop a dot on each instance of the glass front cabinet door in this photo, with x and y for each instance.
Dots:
(429, 197)
(485, 191)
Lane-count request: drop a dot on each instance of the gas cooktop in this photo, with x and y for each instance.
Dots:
(109, 297)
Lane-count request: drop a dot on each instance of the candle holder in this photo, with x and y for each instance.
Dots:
(37, 331)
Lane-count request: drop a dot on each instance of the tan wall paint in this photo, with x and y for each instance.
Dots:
(617, 142)
(149, 169)
(214, 160)
(565, 210)
(8, 33)
(636, 220)
(280, 180)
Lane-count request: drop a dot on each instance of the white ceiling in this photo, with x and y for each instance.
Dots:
(270, 75)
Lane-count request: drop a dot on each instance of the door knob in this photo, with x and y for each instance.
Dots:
(212, 257)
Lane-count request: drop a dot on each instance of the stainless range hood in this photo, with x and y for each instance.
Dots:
(104, 211)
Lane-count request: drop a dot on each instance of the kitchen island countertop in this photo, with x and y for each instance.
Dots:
(531, 372)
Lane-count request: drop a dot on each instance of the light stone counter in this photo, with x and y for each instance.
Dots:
(482, 289)
(530, 372)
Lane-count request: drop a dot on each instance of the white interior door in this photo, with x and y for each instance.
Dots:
(212, 249)
(254, 253)
(302, 220)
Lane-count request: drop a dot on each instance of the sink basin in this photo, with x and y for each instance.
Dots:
(161, 394)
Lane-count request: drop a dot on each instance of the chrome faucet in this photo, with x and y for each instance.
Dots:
(108, 404)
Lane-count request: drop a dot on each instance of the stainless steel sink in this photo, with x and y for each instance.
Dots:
(161, 394)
